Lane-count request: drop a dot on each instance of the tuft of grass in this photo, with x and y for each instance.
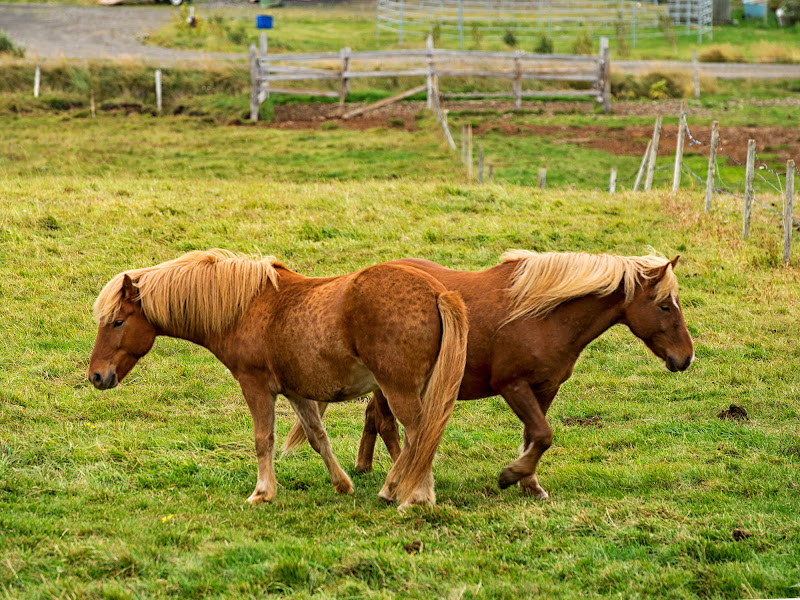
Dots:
(721, 53)
(8, 47)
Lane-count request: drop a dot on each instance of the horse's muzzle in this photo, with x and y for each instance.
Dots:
(679, 364)
(104, 382)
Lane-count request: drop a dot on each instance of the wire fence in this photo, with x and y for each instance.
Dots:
(772, 181)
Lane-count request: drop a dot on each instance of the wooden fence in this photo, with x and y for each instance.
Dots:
(269, 71)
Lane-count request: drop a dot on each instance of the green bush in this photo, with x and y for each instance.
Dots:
(545, 46)
(509, 39)
(654, 86)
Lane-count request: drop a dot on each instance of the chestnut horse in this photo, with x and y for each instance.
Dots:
(530, 318)
(326, 339)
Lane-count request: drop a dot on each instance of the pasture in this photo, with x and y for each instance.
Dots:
(139, 492)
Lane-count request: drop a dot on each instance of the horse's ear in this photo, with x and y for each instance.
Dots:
(674, 261)
(659, 272)
(128, 289)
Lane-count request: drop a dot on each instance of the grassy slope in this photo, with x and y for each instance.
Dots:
(139, 492)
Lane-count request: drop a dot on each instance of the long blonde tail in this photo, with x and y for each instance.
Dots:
(297, 435)
(440, 394)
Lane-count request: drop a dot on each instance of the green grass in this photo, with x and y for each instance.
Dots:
(139, 491)
(328, 29)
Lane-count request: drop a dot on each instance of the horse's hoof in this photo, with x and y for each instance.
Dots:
(388, 499)
(258, 497)
(537, 492)
(507, 478)
(344, 486)
(388, 493)
(366, 468)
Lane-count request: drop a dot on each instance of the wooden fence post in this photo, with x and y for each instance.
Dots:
(37, 79)
(605, 56)
(158, 90)
(788, 221)
(542, 178)
(712, 159)
(696, 74)
(612, 185)
(254, 83)
(480, 165)
(344, 84)
(651, 166)
(642, 166)
(92, 106)
(676, 175)
(262, 40)
(517, 81)
(748, 188)
(463, 144)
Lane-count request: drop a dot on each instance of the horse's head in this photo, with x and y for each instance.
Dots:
(655, 316)
(121, 342)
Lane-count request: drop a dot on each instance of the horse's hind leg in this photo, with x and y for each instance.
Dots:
(408, 409)
(537, 438)
(308, 414)
(378, 420)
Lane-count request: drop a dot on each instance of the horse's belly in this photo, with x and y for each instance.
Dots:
(335, 384)
(360, 383)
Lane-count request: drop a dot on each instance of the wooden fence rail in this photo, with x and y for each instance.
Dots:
(346, 65)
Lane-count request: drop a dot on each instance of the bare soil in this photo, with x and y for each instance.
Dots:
(627, 140)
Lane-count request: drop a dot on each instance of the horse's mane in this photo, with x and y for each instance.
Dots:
(543, 281)
(201, 292)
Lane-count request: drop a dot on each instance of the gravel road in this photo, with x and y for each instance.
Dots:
(52, 31)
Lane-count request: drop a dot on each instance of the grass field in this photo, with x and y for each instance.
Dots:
(330, 28)
(140, 492)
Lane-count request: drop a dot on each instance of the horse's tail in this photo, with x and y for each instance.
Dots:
(297, 435)
(440, 394)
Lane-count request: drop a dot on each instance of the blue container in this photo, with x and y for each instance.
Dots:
(264, 21)
(754, 10)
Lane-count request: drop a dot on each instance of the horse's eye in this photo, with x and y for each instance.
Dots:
(664, 307)
(118, 323)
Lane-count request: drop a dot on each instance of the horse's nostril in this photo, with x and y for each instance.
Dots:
(96, 378)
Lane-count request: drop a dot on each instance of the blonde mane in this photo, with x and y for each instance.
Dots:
(543, 281)
(199, 293)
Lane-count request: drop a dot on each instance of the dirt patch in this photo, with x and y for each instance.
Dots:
(414, 547)
(497, 117)
(734, 413)
(741, 534)
(595, 421)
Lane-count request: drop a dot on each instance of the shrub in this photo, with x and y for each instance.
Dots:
(583, 44)
(510, 39)
(545, 46)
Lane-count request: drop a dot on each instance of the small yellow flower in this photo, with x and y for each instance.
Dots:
(167, 518)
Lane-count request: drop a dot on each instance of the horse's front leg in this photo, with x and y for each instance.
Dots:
(262, 408)
(537, 437)
(309, 416)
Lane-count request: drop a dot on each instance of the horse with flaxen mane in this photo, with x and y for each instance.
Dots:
(530, 318)
(325, 339)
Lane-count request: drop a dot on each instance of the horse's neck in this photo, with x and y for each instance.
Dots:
(589, 317)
